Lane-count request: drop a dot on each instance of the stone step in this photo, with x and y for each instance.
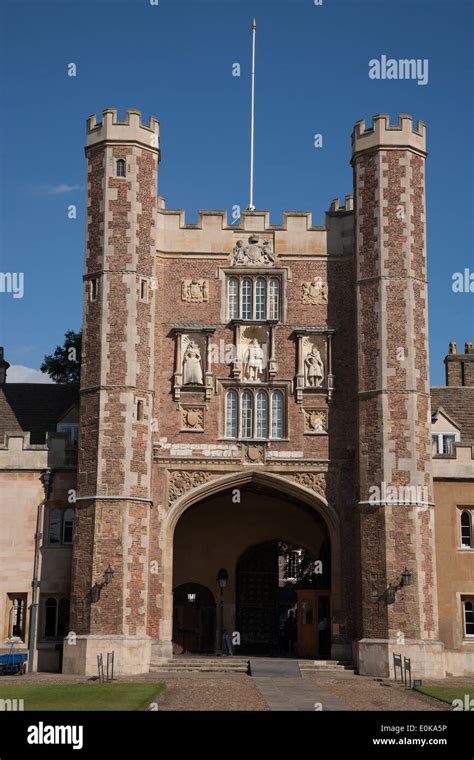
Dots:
(316, 666)
(201, 664)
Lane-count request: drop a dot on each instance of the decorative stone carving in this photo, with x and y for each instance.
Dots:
(182, 481)
(253, 253)
(253, 362)
(192, 364)
(316, 481)
(314, 368)
(253, 454)
(315, 421)
(192, 417)
(195, 291)
(315, 292)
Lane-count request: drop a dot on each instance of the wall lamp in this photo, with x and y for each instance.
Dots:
(97, 587)
(405, 580)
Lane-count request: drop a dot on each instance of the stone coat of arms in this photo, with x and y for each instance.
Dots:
(254, 253)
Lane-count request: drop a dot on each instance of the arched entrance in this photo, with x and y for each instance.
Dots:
(213, 526)
(194, 619)
(283, 600)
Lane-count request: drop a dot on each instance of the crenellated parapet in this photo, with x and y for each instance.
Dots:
(17, 453)
(131, 130)
(347, 207)
(381, 134)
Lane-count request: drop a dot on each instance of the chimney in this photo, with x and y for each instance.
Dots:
(3, 368)
(460, 367)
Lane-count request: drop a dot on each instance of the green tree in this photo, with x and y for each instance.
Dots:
(64, 366)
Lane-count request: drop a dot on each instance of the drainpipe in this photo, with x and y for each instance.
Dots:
(47, 478)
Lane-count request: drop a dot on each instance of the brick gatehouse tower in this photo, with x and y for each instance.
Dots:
(254, 402)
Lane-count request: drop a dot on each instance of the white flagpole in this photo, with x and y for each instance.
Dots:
(251, 207)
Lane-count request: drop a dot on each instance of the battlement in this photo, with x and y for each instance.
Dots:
(382, 134)
(336, 205)
(131, 130)
(16, 451)
(252, 221)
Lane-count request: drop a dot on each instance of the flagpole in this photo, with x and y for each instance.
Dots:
(251, 207)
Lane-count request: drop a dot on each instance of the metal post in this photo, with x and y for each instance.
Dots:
(252, 116)
(47, 482)
(222, 621)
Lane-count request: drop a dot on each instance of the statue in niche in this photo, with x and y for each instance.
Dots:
(254, 361)
(192, 365)
(314, 369)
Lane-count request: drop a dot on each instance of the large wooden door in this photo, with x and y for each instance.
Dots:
(194, 619)
(257, 599)
(313, 619)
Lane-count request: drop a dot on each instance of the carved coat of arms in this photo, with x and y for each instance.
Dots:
(254, 253)
(195, 291)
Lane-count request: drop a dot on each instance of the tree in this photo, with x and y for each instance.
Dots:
(64, 366)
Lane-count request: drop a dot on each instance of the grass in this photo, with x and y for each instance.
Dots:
(84, 696)
(447, 693)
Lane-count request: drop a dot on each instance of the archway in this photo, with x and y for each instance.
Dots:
(283, 600)
(209, 528)
(194, 619)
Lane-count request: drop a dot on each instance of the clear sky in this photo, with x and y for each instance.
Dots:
(174, 60)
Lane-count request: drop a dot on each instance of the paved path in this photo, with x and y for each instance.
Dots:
(271, 667)
(297, 694)
(283, 688)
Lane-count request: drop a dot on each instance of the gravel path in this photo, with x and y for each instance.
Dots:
(366, 693)
(205, 692)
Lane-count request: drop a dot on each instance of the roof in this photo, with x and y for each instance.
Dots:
(34, 407)
(458, 403)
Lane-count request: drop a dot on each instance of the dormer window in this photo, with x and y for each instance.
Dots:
(443, 443)
(72, 429)
(121, 167)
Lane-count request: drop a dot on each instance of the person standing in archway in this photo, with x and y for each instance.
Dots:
(290, 632)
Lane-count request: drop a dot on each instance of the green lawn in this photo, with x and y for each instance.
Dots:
(84, 696)
(447, 693)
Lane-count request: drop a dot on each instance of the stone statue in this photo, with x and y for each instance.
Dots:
(314, 369)
(192, 365)
(254, 361)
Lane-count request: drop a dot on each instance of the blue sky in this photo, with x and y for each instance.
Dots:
(175, 60)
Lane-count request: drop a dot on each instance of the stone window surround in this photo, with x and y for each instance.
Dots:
(462, 508)
(22, 598)
(225, 273)
(267, 279)
(469, 597)
(229, 385)
(48, 514)
(58, 597)
(136, 416)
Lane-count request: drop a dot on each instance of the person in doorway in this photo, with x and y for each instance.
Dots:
(226, 647)
(324, 639)
(290, 632)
